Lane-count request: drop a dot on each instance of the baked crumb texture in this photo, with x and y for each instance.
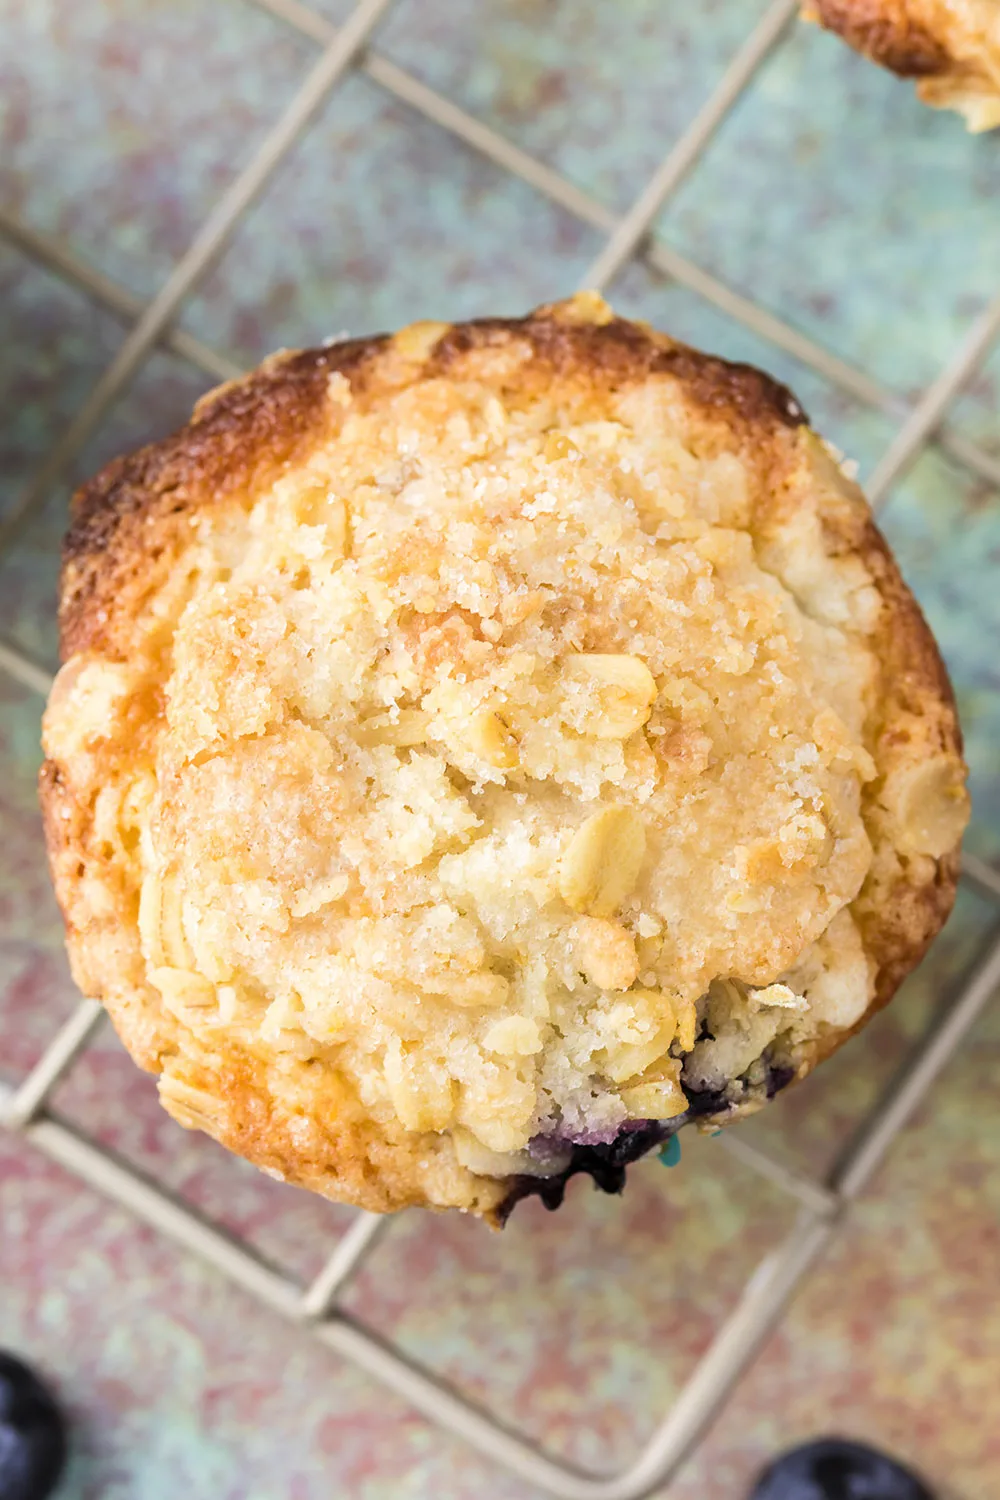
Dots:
(487, 745)
(950, 47)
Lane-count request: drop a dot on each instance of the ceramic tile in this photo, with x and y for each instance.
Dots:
(977, 411)
(385, 219)
(832, 196)
(334, 10)
(126, 120)
(36, 991)
(56, 343)
(600, 92)
(835, 199)
(159, 400)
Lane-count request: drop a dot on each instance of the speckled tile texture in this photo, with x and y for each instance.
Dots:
(872, 225)
(102, 99)
(56, 343)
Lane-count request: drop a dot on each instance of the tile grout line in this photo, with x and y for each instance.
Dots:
(208, 243)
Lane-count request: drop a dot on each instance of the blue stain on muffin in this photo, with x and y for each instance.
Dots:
(671, 1153)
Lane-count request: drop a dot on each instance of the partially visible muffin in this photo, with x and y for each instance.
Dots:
(482, 750)
(951, 47)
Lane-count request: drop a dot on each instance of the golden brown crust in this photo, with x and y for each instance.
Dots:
(243, 432)
(951, 47)
(239, 437)
(130, 526)
(899, 918)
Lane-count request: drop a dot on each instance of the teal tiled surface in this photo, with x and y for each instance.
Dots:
(603, 1360)
(386, 218)
(834, 199)
(103, 100)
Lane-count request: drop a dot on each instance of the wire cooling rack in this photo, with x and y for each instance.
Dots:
(821, 1205)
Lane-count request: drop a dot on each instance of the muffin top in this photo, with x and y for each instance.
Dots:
(480, 744)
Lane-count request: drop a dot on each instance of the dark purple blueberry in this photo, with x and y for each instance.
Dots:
(835, 1469)
(706, 1101)
(779, 1076)
(549, 1151)
(32, 1434)
(775, 1076)
(605, 1163)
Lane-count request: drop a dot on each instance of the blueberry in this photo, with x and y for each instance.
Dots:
(779, 1076)
(706, 1101)
(32, 1434)
(834, 1469)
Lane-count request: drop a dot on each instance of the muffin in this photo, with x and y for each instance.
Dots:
(951, 47)
(483, 750)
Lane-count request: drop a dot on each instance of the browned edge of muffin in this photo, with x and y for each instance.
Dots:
(885, 31)
(131, 522)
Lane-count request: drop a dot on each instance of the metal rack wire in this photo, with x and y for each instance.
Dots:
(821, 1205)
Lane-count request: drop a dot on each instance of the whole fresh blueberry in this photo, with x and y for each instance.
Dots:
(32, 1434)
(834, 1469)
